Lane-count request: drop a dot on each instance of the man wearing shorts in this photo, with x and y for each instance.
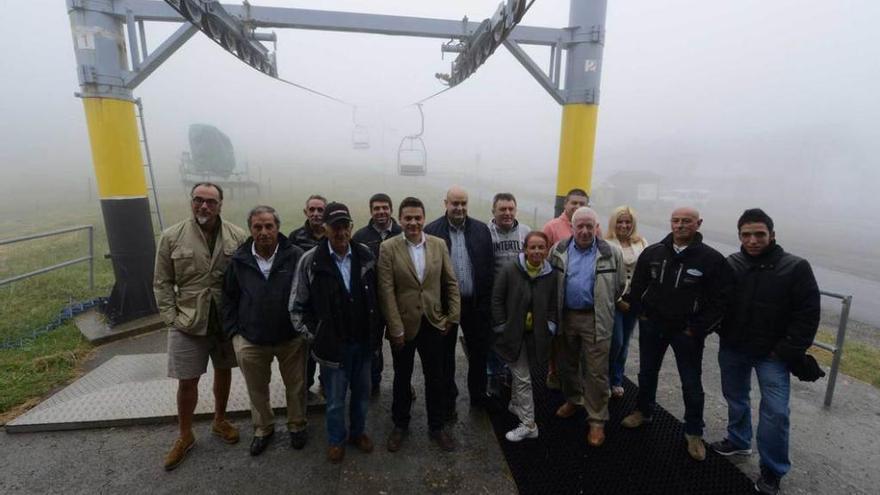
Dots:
(188, 282)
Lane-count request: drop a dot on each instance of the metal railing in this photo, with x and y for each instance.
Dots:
(83, 259)
(836, 350)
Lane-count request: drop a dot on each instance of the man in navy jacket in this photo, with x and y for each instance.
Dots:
(470, 248)
(255, 293)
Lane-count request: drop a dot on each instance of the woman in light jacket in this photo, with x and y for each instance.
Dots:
(523, 316)
(622, 233)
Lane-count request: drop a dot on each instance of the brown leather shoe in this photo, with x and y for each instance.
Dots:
(336, 453)
(225, 430)
(596, 435)
(362, 442)
(178, 452)
(395, 439)
(443, 440)
(566, 410)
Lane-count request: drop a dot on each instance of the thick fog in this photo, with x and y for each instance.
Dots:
(753, 103)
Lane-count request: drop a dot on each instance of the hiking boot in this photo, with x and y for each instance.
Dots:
(596, 435)
(225, 430)
(521, 432)
(178, 452)
(335, 453)
(395, 439)
(695, 446)
(767, 483)
(259, 444)
(727, 448)
(443, 440)
(566, 410)
(362, 442)
(298, 439)
(635, 420)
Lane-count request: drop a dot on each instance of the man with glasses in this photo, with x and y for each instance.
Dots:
(188, 281)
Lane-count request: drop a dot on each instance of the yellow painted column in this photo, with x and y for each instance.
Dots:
(576, 146)
(116, 152)
(122, 187)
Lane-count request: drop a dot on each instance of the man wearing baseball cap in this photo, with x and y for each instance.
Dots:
(334, 303)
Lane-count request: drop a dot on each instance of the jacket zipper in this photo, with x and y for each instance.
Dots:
(662, 271)
(678, 275)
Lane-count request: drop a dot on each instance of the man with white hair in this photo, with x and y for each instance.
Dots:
(593, 278)
(678, 289)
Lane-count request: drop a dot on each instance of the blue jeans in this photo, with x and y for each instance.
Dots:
(624, 323)
(653, 342)
(354, 373)
(773, 424)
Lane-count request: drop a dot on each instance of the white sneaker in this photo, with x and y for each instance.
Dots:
(521, 432)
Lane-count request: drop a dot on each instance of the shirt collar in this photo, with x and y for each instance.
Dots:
(455, 228)
(420, 244)
(257, 255)
(589, 250)
(336, 256)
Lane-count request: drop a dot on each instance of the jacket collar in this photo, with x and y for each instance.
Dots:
(769, 257)
(668, 242)
(545, 268)
(244, 255)
(602, 246)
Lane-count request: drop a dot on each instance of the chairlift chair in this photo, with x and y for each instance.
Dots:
(360, 135)
(412, 156)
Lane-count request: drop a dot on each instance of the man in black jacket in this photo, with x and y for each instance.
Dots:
(334, 299)
(470, 248)
(679, 290)
(255, 293)
(382, 226)
(307, 237)
(770, 323)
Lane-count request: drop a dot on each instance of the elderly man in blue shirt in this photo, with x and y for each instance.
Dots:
(594, 278)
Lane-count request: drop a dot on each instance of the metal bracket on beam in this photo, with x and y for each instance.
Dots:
(160, 54)
(533, 69)
(588, 96)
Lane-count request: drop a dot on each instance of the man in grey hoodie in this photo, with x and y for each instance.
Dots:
(508, 236)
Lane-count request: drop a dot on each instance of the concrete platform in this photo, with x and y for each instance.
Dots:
(94, 327)
(131, 390)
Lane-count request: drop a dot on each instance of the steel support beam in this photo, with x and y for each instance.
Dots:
(351, 22)
(159, 55)
(533, 69)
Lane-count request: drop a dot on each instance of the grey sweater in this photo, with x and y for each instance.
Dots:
(507, 245)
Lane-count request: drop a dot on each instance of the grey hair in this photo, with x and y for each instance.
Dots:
(256, 210)
(585, 211)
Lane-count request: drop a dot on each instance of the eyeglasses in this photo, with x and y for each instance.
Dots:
(210, 202)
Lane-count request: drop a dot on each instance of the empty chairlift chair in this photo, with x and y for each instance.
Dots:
(360, 135)
(412, 156)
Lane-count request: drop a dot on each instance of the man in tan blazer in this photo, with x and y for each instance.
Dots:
(418, 294)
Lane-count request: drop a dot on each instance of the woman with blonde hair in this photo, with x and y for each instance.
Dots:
(622, 232)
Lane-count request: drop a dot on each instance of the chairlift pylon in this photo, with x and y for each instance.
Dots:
(360, 135)
(412, 156)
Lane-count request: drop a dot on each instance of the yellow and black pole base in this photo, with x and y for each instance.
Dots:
(577, 142)
(122, 187)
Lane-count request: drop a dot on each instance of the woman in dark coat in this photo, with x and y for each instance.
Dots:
(523, 316)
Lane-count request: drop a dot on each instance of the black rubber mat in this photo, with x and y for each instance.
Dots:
(650, 460)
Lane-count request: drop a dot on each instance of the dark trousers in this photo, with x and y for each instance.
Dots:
(429, 343)
(475, 327)
(653, 342)
(377, 367)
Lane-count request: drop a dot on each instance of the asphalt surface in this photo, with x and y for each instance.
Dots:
(833, 450)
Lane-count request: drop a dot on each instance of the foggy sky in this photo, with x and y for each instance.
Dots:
(748, 88)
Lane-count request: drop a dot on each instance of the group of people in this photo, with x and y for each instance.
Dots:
(565, 298)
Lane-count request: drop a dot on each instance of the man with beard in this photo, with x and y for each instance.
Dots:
(188, 282)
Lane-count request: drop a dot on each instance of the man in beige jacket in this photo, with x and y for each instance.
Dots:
(188, 282)
(418, 294)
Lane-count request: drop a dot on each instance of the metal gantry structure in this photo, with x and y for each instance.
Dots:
(113, 59)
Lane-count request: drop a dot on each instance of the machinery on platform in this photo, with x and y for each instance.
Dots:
(211, 158)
